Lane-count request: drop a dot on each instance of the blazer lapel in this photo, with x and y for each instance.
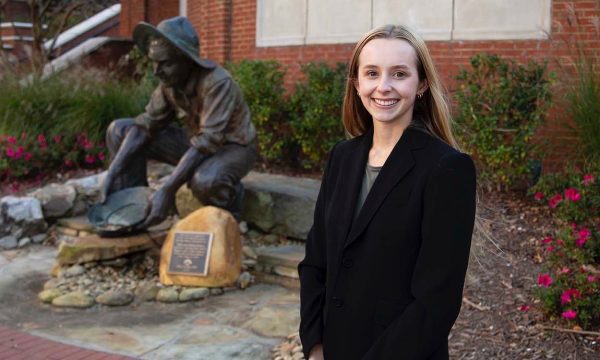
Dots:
(397, 166)
(352, 171)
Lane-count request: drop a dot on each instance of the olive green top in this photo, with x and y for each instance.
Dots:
(371, 173)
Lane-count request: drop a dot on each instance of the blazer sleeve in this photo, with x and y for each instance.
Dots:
(438, 276)
(312, 271)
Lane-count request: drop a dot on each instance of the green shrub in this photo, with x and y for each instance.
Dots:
(262, 85)
(500, 105)
(67, 104)
(315, 111)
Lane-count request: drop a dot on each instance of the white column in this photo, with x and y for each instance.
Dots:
(183, 7)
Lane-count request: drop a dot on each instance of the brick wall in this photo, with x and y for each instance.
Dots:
(227, 30)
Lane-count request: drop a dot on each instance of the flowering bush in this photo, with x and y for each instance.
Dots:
(28, 157)
(570, 285)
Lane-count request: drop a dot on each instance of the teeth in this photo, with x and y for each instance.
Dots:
(385, 102)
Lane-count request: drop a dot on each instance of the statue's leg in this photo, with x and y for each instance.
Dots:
(135, 173)
(217, 180)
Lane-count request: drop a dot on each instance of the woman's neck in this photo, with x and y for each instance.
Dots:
(385, 137)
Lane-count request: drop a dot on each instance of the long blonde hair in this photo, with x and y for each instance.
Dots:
(432, 109)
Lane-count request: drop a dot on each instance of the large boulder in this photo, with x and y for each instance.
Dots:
(225, 254)
(57, 200)
(21, 217)
(280, 204)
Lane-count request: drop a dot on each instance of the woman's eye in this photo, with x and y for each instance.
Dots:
(399, 75)
(371, 73)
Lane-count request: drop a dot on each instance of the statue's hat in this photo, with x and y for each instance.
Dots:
(178, 31)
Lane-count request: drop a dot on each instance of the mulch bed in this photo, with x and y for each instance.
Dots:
(492, 323)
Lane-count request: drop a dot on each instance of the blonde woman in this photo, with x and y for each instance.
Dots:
(387, 255)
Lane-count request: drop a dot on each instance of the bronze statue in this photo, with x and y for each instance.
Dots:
(214, 148)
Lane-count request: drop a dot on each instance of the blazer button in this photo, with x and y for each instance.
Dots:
(337, 302)
(347, 263)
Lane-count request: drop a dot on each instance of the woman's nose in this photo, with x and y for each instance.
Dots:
(384, 84)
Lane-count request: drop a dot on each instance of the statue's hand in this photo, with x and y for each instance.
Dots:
(161, 202)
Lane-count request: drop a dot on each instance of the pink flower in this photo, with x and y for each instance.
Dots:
(101, 156)
(68, 163)
(538, 196)
(545, 280)
(591, 278)
(547, 240)
(568, 295)
(87, 144)
(583, 236)
(569, 314)
(19, 152)
(14, 187)
(27, 156)
(11, 139)
(524, 308)
(555, 200)
(565, 270)
(560, 242)
(42, 141)
(10, 152)
(572, 194)
(90, 159)
(57, 139)
(550, 249)
(588, 179)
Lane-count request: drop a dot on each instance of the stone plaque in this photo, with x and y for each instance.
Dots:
(191, 253)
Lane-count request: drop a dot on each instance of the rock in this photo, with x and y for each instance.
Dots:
(249, 263)
(216, 291)
(286, 271)
(186, 202)
(94, 248)
(67, 231)
(51, 284)
(270, 239)
(24, 242)
(225, 254)
(167, 295)
(118, 262)
(76, 223)
(147, 291)
(8, 242)
(286, 255)
(243, 227)
(73, 271)
(55, 270)
(57, 200)
(87, 186)
(253, 234)
(115, 298)
(21, 216)
(244, 280)
(280, 204)
(76, 299)
(249, 252)
(48, 295)
(39, 238)
(193, 294)
(157, 170)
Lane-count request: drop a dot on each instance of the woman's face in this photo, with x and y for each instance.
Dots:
(388, 81)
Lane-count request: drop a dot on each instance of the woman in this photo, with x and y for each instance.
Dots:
(387, 255)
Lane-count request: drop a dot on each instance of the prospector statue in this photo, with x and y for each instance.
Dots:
(213, 149)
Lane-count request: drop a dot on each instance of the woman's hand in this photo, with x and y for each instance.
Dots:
(316, 353)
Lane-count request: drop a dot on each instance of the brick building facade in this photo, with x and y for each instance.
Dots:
(228, 29)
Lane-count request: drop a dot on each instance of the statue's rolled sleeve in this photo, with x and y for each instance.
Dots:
(158, 113)
(218, 107)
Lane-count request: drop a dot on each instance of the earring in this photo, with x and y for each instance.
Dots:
(420, 95)
(357, 93)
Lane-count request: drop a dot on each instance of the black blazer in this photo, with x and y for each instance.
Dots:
(389, 284)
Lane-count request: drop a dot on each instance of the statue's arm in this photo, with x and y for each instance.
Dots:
(184, 169)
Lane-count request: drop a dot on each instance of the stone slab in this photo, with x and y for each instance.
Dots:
(287, 255)
(77, 223)
(93, 248)
(280, 204)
